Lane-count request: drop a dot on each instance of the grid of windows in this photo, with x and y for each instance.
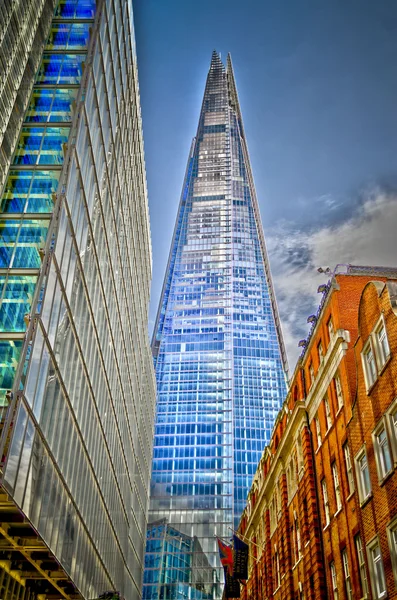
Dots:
(216, 345)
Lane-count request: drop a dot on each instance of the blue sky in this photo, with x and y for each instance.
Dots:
(317, 82)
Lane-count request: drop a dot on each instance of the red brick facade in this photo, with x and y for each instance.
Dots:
(313, 532)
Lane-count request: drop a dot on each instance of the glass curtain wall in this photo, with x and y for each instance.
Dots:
(76, 375)
(218, 353)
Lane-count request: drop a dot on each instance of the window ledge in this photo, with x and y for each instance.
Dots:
(318, 448)
(371, 387)
(366, 500)
(326, 526)
(338, 511)
(339, 410)
(383, 367)
(385, 477)
(350, 496)
(298, 561)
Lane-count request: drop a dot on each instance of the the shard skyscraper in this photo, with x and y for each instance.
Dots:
(219, 356)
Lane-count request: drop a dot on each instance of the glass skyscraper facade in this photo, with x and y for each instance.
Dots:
(77, 386)
(218, 353)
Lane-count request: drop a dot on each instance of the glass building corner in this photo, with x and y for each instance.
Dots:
(77, 387)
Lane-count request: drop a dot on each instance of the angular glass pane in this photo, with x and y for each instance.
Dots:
(16, 191)
(50, 69)
(16, 301)
(39, 106)
(52, 149)
(61, 109)
(79, 36)
(10, 352)
(29, 191)
(72, 68)
(28, 146)
(31, 240)
(44, 185)
(59, 35)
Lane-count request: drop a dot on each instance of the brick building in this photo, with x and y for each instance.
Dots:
(303, 516)
(372, 434)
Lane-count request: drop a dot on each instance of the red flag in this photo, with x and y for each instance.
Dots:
(226, 554)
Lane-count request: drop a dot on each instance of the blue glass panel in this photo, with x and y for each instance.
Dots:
(28, 146)
(44, 185)
(16, 191)
(50, 69)
(58, 38)
(30, 236)
(61, 68)
(52, 147)
(83, 9)
(61, 109)
(10, 352)
(29, 191)
(16, 301)
(39, 106)
(72, 68)
(79, 36)
(65, 36)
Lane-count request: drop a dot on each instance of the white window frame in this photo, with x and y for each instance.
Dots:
(311, 374)
(346, 571)
(379, 450)
(370, 374)
(328, 416)
(392, 539)
(327, 511)
(362, 492)
(379, 589)
(349, 468)
(361, 565)
(337, 490)
(277, 568)
(338, 391)
(334, 580)
(318, 431)
(297, 540)
(391, 417)
(382, 354)
(331, 330)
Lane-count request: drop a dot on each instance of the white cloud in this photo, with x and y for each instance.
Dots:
(368, 237)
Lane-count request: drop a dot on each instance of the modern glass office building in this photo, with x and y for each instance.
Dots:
(218, 353)
(77, 387)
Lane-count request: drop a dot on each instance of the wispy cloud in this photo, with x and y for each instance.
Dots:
(367, 237)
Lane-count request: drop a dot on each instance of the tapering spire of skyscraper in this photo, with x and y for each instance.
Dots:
(219, 356)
